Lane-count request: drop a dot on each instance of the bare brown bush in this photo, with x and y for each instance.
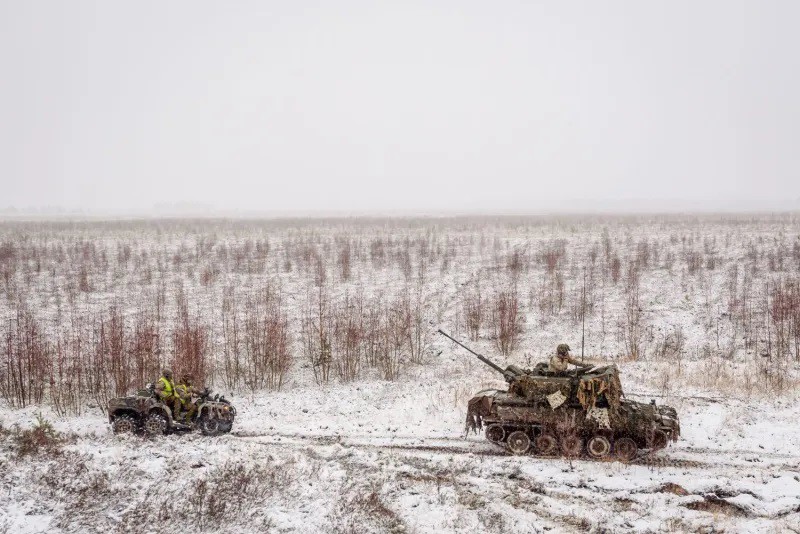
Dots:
(506, 320)
(26, 360)
(266, 340)
(190, 344)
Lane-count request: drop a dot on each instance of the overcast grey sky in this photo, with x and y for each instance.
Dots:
(280, 107)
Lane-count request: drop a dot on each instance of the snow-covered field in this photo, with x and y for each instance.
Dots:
(391, 457)
(373, 455)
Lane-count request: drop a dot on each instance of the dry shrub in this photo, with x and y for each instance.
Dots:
(68, 380)
(553, 256)
(671, 346)
(26, 360)
(345, 261)
(784, 313)
(473, 304)
(40, 439)
(506, 320)
(390, 359)
(412, 306)
(633, 329)
(232, 364)
(83, 280)
(317, 334)
(362, 509)
(615, 268)
(349, 337)
(267, 355)
(144, 349)
(190, 344)
(694, 261)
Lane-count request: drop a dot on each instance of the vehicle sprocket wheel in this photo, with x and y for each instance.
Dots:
(546, 444)
(571, 445)
(519, 442)
(659, 440)
(625, 449)
(209, 426)
(155, 425)
(495, 433)
(598, 447)
(123, 424)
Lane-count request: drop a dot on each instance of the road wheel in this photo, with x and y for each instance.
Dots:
(519, 442)
(123, 424)
(155, 424)
(598, 447)
(625, 449)
(571, 445)
(495, 433)
(660, 440)
(209, 426)
(546, 444)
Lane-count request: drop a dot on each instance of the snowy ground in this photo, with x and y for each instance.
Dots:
(378, 456)
(390, 457)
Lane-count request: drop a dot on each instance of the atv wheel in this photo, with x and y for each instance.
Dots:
(209, 426)
(225, 426)
(571, 445)
(519, 442)
(123, 424)
(598, 447)
(625, 449)
(546, 444)
(155, 425)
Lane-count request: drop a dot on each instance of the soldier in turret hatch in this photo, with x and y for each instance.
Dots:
(560, 361)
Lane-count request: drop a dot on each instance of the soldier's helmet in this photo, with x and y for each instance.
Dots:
(167, 373)
(563, 349)
(187, 378)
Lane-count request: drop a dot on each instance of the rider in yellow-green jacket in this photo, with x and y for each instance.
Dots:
(165, 389)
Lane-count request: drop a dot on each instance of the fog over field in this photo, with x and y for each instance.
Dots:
(299, 108)
(286, 204)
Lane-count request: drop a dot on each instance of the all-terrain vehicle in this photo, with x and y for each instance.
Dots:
(143, 412)
(548, 413)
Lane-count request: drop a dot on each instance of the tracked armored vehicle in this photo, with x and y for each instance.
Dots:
(571, 414)
(144, 413)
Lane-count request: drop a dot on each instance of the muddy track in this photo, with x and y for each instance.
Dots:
(450, 446)
(679, 458)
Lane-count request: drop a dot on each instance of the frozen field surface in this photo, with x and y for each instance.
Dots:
(391, 457)
(351, 409)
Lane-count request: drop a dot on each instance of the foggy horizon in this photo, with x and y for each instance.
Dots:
(269, 109)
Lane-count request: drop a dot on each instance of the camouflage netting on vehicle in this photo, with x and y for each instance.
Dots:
(538, 388)
(603, 383)
(478, 407)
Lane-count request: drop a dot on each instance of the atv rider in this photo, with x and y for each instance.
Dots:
(165, 389)
(185, 391)
(559, 362)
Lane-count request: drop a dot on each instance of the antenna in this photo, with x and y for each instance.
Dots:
(583, 314)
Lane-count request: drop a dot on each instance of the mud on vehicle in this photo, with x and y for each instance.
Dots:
(571, 414)
(144, 413)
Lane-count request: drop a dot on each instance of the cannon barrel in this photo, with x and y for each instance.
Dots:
(507, 373)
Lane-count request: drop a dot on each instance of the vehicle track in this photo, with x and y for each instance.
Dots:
(683, 457)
